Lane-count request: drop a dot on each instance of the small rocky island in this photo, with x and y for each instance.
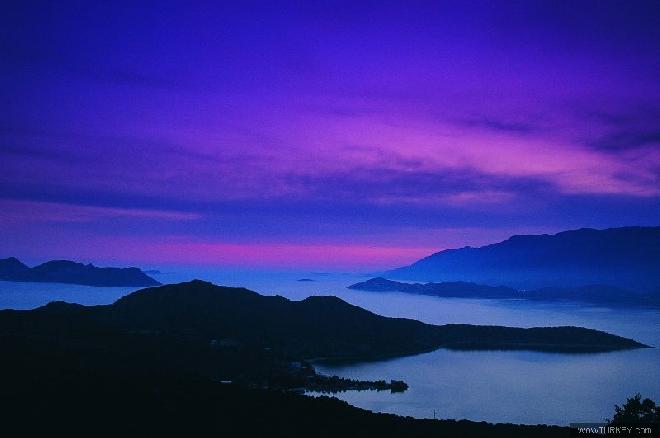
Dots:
(65, 271)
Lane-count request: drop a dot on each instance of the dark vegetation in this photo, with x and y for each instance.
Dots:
(593, 294)
(65, 271)
(92, 404)
(626, 257)
(636, 411)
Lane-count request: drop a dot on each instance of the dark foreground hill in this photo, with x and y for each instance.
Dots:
(591, 294)
(456, 289)
(65, 271)
(315, 327)
(155, 361)
(626, 257)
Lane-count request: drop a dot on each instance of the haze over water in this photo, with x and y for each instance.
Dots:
(495, 386)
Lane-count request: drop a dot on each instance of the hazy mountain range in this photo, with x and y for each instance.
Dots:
(627, 257)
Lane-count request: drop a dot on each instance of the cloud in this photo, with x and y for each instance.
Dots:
(626, 129)
(502, 125)
(21, 211)
(221, 124)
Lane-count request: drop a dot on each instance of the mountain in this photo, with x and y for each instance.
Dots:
(594, 294)
(65, 271)
(626, 257)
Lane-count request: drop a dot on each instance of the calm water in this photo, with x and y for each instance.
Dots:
(496, 386)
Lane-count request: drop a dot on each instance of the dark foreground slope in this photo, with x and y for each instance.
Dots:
(153, 363)
(188, 407)
(626, 257)
(591, 294)
(65, 271)
(92, 404)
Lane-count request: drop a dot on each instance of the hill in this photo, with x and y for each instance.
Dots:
(592, 294)
(160, 358)
(65, 271)
(314, 327)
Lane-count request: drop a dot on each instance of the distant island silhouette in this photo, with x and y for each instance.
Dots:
(627, 257)
(65, 271)
(593, 294)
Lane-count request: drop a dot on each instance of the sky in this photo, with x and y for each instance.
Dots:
(321, 135)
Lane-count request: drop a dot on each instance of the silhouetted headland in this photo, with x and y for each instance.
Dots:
(65, 271)
(316, 327)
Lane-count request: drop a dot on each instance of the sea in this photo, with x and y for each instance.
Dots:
(495, 386)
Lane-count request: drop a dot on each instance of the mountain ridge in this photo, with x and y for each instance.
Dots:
(627, 257)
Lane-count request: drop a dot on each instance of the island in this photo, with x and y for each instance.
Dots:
(65, 271)
(591, 294)
(455, 289)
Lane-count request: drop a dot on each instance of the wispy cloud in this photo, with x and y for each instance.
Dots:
(17, 211)
(289, 127)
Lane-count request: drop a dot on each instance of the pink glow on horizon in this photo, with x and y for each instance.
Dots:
(355, 257)
(286, 256)
(142, 251)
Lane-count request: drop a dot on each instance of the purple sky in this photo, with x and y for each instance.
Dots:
(333, 135)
